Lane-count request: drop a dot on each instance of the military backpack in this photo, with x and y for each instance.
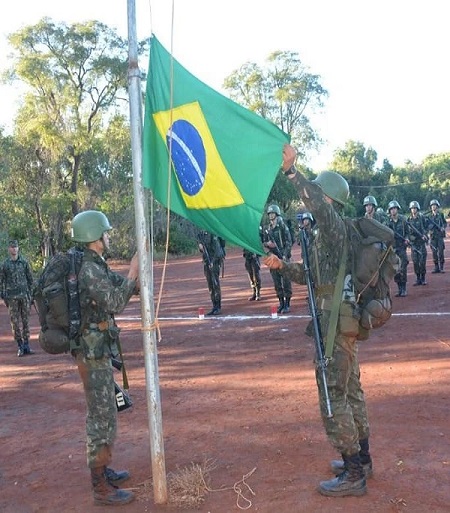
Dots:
(57, 302)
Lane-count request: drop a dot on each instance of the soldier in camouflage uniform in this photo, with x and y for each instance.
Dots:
(253, 268)
(370, 204)
(212, 249)
(103, 293)
(348, 428)
(437, 228)
(277, 240)
(397, 223)
(418, 228)
(16, 282)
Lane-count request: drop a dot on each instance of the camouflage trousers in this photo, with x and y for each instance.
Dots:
(19, 311)
(282, 284)
(437, 247)
(101, 418)
(419, 258)
(253, 266)
(349, 423)
(212, 276)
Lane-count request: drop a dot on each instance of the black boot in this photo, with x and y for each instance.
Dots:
(441, 268)
(105, 492)
(338, 466)
(436, 269)
(258, 294)
(349, 482)
(215, 311)
(403, 294)
(418, 281)
(253, 296)
(116, 477)
(20, 350)
(287, 305)
(399, 293)
(281, 305)
(26, 347)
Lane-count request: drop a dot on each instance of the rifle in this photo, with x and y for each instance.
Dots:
(123, 400)
(321, 361)
(208, 261)
(440, 228)
(276, 250)
(408, 243)
(416, 231)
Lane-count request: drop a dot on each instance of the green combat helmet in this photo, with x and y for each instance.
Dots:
(370, 200)
(334, 186)
(275, 209)
(435, 202)
(414, 204)
(89, 226)
(393, 204)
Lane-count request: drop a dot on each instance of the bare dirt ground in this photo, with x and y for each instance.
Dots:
(237, 391)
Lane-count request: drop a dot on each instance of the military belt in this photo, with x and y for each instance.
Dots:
(100, 326)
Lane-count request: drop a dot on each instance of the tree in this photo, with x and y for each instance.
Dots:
(283, 92)
(75, 76)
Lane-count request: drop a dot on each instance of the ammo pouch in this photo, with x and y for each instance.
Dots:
(100, 339)
(349, 319)
(376, 313)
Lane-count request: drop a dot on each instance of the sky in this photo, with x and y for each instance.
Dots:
(383, 62)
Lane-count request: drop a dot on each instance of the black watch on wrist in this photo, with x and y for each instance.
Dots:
(291, 171)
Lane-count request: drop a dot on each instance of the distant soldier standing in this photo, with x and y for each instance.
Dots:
(212, 249)
(306, 222)
(16, 281)
(253, 268)
(277, 240)
(437, 228)
(418, 237)
(370, 204)
(397, 223)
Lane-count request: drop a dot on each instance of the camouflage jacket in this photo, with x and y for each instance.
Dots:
(401, 232)
(329, 243)
(281, 235)
(16, 278)
(103, 293)
(437, 225)
(214, 246)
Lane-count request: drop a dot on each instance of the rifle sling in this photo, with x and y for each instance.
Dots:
(337, 297)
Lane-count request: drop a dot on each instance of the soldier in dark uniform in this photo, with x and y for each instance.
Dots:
(348, 428)
(16, 282)
(418, 229)
(277, 240)
(212, 249)
(306, 222)
(397, 223)
(370, 204)
(103, 293)
(437, 229)
(253, 268)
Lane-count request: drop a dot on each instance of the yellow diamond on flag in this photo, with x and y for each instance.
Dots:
(202, 176)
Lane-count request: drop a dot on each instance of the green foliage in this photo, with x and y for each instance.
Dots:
(180, 242)
(283, 92)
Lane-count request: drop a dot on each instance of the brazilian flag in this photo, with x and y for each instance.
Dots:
(223, 157)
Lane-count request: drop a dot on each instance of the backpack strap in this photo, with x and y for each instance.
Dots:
(73, 299)
(336, 304)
